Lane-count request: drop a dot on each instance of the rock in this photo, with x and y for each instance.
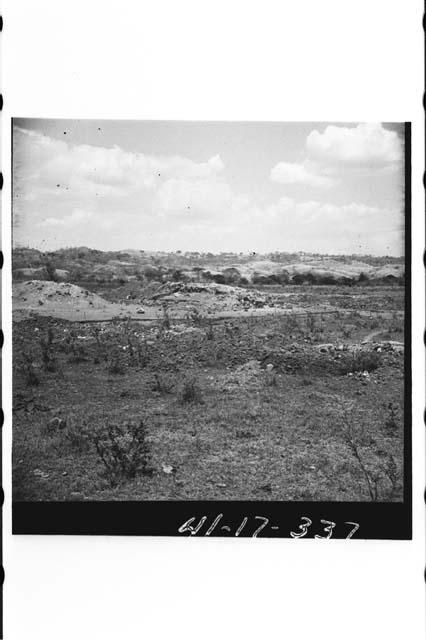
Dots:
(41, 474)
(266, 487)
(325, 348)
(56, 423)
(168, 469)
(269, 367)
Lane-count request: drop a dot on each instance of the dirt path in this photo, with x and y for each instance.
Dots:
(374, 334)
(153, 314)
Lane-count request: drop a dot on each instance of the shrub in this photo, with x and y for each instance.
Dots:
(374, 323)
(142, 354)
(51, 271)
(271, 379)
(47, 355)
(190, 392)
(360, 361)
(196, 317)
(115, 364)
(162, 385)
(77, 437)
(74, 348)
(31, 377)
(376, 464)
(392, 417)
(347, 331)
(210, 331)
(311, 323)
(291, 323)
(100, 350)
(165, 323)
(123, 450)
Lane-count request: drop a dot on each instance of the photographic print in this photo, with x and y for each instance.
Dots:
(210, 312)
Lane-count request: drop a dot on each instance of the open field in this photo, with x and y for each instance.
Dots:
(279, 392)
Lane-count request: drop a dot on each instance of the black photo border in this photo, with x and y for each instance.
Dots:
(268, 519)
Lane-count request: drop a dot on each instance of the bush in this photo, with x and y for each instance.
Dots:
(190, 392)
(392, 417)
(210, 331)
(47, 356)
(51, 271)
(123, 450)
(382, 475)
(162, 385)
(196, 317)
(115, 364)
(73, 347)
(164, 323)
(271, 379)
(77, 437)
(361, 361)
(311, 323)
(27, 367)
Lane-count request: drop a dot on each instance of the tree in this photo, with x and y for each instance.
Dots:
(51, 271)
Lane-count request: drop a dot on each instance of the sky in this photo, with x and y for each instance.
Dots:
(209, 186)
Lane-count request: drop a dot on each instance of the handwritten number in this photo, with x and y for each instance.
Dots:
(213, 525)
(241, 527)
(262, 526)
(328, 530)
(303, 528)
(193, 529)
(187, 526)
(354, 530)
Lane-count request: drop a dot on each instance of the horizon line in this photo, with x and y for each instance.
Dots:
(195, 251)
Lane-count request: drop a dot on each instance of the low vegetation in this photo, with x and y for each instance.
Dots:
(192, 376)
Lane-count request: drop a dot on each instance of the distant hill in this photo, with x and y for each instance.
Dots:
(85, 265)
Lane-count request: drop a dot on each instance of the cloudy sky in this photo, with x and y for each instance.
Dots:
(321, 187)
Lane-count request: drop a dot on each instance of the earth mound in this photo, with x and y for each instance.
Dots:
(44, 296)
(210, 296)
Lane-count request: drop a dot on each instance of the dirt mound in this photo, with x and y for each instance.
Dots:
(36, 291)
(55, 298)
(210, 297)
(245, 375)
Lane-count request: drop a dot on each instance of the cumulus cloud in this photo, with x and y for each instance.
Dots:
(294, 173)
(67, 194)
(49, 163)
(59, 186)
(367, 149)
(366, 146)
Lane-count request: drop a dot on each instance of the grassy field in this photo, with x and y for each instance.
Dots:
(253, 408)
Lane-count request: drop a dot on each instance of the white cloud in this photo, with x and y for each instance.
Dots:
(68, 194)
(76, 218)
(293, 173)
(366, 146)
(48, 162)
(330, 228)
(193, 197)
